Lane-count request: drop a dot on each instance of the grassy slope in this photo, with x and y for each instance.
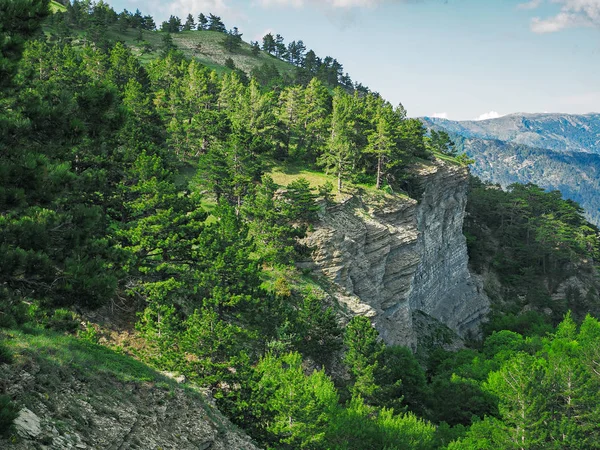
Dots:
(203, 46)
(62, 365)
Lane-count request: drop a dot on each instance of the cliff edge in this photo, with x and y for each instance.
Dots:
(392, 257)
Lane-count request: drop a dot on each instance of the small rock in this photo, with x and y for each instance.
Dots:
(205, 445)
(28, 424)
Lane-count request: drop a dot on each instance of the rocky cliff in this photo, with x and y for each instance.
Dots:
(392, 257)
(74, 395)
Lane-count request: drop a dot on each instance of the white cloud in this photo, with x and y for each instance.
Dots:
(162, 9)
(260, 36)
(441, 115)
(198, 6)
(573, 13)
(532, 4)
(488, 115)
(339, 4)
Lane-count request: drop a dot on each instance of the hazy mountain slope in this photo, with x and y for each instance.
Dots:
(563, 132)
(553, 151)
(576, 175)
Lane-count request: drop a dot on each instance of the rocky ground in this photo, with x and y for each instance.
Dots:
(63, 405)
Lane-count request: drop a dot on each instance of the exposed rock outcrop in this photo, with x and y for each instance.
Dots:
(392, 256)
(62, 410)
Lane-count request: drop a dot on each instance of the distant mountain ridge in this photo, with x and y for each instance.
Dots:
(565, 132)
(554, 151)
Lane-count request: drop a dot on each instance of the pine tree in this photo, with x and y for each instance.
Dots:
(19, 20)
(294, 408)
(269, 43)
(233, 40)
(280, 48)
(216, 24)
(363, 350)
(381, 141)
(190, 24)
(148, 23)
(255, 48)
(202, 22)
(340, 156)
(167, 44)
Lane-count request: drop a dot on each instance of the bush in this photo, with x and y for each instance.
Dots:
(5, 355)
(8, 413)
(63, 320)
(13, 312)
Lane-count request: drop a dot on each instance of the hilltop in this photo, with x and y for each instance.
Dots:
(211, 43)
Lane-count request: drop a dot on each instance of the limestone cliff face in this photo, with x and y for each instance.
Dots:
(394, 256)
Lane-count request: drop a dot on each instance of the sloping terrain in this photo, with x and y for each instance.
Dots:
(76, 394)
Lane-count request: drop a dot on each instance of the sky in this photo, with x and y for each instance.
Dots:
(457, 59)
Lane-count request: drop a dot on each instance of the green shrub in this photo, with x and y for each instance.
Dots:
(63, 320)
(8, 413)
(13, 312)
(5, 355)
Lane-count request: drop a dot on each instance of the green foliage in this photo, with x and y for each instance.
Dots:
(457, 401)
(318, 332)
(62, 320)
(440, 141)
(341, 156)
(363, 350)
(363, 426)
(232, 41)
(402, 381)
(19, 20)
(532, 240)
(6, 356)
(8, 413)
(547, 393)
(294, 409)
(98, 201)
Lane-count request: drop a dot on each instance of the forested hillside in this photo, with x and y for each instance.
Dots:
(154, 205)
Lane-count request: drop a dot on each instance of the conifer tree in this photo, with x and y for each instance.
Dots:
(340, 155)
(269, 43)
(202, 22)
(381, 141)
(216, 24)
(363, 350)
(189, 24)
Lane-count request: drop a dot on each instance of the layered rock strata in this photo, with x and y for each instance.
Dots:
(392, 255)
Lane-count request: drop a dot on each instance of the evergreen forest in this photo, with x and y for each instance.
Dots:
(171, 194)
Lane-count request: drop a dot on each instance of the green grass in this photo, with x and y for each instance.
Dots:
(57, 7)
(284, 174)
(447, 158)
(206, 47)
(288, 173)
(55, 353)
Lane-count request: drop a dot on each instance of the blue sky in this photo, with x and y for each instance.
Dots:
(462, 59)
